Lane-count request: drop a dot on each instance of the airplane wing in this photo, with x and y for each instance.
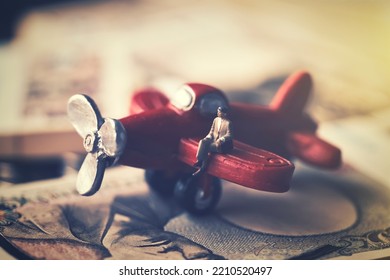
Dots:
(245, 165)
(311, 149)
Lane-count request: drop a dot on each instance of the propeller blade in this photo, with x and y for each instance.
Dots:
(91, 174)
(84, 115)
(113, 137)
(103, 139)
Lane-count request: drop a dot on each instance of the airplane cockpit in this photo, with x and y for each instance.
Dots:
(206, 104)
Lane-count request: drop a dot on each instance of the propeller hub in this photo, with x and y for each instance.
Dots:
(90, 142)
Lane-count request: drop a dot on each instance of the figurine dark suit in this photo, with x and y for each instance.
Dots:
(219, 139)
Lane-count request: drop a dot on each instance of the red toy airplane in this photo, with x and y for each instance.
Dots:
(161, 136)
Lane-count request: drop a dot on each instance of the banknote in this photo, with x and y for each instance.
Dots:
(364, 140)
(322, 216)
(48, 220)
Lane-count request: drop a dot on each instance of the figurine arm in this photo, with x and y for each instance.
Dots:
(210, 135)
(229, 133)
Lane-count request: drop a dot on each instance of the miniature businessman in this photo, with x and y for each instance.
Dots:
(219, 140)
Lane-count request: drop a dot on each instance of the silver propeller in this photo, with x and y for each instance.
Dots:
(104, 139)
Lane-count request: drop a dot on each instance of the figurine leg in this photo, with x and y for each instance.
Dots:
(201, 169)
(205, 147)
(202, 153)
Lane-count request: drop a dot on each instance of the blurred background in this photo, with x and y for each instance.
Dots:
(51, 50)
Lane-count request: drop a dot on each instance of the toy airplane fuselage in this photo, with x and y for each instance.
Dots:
(162, 134)
(156, 129)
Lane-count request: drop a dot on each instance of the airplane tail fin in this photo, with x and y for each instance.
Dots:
(293, 94)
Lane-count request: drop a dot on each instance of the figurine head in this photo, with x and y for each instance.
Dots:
(222, 112)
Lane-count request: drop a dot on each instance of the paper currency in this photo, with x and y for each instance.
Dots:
(364, 140)
(48, 220)
(321, 217)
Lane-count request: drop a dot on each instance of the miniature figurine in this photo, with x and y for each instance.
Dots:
(161, 135)
(219, 140)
